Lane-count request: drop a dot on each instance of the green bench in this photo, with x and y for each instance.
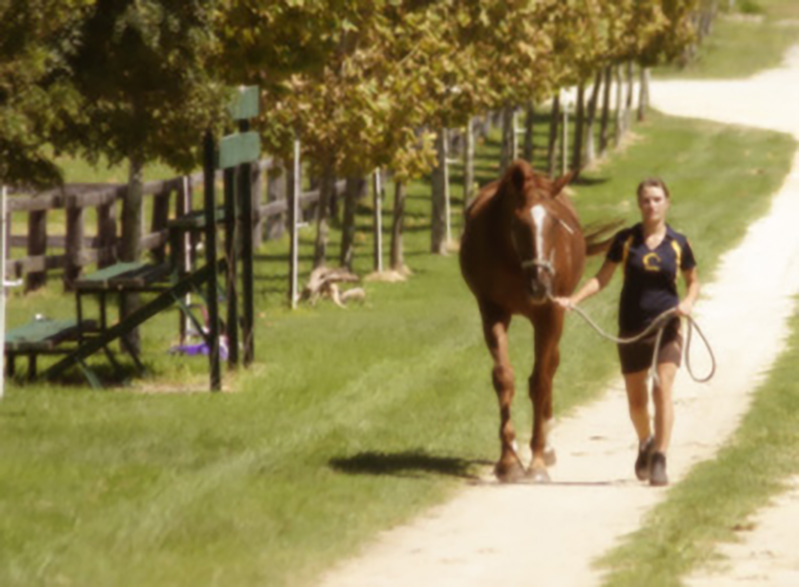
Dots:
(42, 336)
(124, 277)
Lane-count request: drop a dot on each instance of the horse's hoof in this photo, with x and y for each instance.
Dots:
(538, 475)
(509, 473)
(550, 456)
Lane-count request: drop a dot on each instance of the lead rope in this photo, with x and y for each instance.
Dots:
(659, 324)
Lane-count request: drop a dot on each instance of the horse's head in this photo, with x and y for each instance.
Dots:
(535, 226)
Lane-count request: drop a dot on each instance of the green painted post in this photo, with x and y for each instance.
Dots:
(209, 167)
(245, 193)
(241, 150)
(231, 277)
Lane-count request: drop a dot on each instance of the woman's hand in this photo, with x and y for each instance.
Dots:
(684, 308)
(564, 302)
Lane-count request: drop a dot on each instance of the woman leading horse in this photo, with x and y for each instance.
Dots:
(652, 255)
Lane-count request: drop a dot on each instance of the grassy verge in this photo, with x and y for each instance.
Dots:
(742, 44)
(349, 422)
(720, 495)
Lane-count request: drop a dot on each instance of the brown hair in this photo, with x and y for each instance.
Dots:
(653, 182)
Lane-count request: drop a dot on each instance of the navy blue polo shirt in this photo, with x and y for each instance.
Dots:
(650, 275)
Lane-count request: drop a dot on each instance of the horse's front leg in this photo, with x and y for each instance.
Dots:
(547, 359)
(495, 330)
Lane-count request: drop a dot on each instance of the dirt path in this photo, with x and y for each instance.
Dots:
(549, 535)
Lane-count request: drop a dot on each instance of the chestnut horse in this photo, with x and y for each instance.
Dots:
(523, 244)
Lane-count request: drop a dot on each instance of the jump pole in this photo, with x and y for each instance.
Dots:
(2, 290)
(294, 212)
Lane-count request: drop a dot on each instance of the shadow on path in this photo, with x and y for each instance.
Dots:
(407, 464)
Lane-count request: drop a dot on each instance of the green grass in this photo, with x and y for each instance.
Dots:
(720, 494)
(350, 421)
(742, 45)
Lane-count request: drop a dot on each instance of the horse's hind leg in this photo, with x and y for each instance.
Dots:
(495, 329)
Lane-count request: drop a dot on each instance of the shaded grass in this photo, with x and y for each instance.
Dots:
(742, 45)
(349, 422)
(718, 496)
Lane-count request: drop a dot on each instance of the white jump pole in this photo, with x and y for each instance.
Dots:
(2, 290)
(377, 194)
(295, 206)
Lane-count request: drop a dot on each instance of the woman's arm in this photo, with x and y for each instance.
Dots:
(590, 287)
(691, 292)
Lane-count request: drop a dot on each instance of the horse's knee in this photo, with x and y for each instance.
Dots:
(502, 377)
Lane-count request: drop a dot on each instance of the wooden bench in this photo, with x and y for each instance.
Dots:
(42, 336)
(117, 279)
(124, 277)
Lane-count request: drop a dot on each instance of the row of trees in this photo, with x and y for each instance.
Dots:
(365, 83)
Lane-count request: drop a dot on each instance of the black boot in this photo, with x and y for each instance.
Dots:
(644, 458)
(657, 470)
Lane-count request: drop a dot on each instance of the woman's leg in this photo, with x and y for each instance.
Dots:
(664, 406)
(637, 401)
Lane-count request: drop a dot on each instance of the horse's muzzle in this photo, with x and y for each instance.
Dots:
(538, 290)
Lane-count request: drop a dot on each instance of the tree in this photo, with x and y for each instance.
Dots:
(36, 39)
(147, 92)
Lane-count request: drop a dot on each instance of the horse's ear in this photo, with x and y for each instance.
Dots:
(517, 176)
(561, 182)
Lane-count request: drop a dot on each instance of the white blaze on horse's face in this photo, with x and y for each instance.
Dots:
(539, 269)
(539, 213)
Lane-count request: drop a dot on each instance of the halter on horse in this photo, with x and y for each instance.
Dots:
(523, 244)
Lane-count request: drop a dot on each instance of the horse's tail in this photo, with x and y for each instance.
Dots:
(599, 236)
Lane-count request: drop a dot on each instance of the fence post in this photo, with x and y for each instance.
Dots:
(257, 183)
(231, 256)
(183, 257)
(74, 242)
(209, 201)
(377, 194)
(160, 219)
(106, 234)
(37, 246)
(275, 191)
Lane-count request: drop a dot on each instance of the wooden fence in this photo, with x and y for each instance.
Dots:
(71, 250)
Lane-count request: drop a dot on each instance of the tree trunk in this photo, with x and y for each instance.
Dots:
(579, 127)
(619, 112)
(554, 122)
(326, 187)
(605, 123)
(438, 234)
(377, 223)
(508, 153)
(398, 219)
(590, 149)
(529, 122)
(355, 190)
(643, 96)
(468, 164)
(628, 105)
(37, 246)
(130, 242)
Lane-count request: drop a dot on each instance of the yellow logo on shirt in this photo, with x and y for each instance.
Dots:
(651, 262)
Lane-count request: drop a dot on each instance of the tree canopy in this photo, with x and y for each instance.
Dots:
(364, 83)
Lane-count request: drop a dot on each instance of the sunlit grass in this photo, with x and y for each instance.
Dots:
(719, 495)
(350, 421)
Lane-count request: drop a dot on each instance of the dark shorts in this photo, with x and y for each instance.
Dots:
(637, 356)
